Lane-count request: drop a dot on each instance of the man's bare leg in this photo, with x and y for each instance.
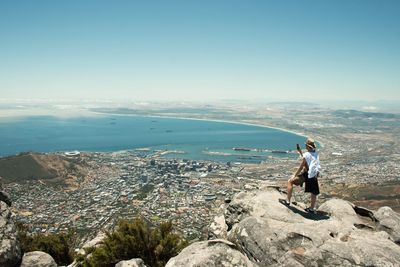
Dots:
(313, 201)
(289, 190)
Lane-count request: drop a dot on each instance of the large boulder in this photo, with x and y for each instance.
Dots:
(131, 263)
(38, 259)
(10, 251)
(212, 253)
(272, 234)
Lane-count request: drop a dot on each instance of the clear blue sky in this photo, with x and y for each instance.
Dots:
(200, 50)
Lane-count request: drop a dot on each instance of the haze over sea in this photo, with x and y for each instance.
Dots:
(183, 138)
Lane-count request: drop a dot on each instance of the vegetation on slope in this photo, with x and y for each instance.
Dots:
(135, 239)
(59, 246)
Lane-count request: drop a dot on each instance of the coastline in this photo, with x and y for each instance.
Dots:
(207, 119)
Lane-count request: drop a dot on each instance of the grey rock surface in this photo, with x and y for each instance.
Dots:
(389, 221)
(218, 228)
(211, 253)
(272, 234)
(131, 263)
(95, 242)
(10, 251)
(38, 259)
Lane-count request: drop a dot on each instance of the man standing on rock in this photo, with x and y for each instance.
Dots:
(4, 196)
(310, 169)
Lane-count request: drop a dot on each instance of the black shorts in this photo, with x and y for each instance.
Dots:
(299, 179)
(312, 186)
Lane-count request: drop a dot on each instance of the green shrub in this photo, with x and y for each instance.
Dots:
(59, 246)
(136, 239)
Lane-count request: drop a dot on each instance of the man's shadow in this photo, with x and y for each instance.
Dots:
(317, 216)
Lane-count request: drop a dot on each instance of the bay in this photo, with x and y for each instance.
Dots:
(183, 138)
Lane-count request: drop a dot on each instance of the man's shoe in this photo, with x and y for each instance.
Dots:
(311, 211)
(284, 202)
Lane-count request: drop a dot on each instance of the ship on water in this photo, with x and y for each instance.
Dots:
(242, 149)
(280, 151)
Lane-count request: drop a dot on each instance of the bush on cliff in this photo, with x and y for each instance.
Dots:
(59, 246)
(155, 246)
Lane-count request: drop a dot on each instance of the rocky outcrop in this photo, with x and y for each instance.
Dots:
(131, 263)
(209, 254)
(10, 251)
(268, 233)
(271, 234)
(38, 259)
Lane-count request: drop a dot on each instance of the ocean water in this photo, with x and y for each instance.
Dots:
(191, 139)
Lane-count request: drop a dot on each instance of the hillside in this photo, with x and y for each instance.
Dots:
(34, 166)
